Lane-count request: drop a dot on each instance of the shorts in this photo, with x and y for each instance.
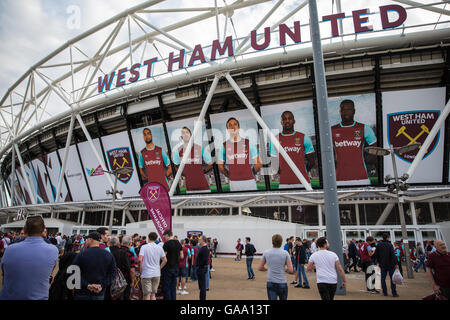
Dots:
(150, 285)
(182, 272)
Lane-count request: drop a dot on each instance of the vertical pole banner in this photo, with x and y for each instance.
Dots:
(157, 201)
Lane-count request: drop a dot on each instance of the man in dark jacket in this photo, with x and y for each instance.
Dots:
(385, 257)
(300, 256)
(123, 263)
(353, 254)
(249, 252)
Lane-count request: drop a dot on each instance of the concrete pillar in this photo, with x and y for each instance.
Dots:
(181, 212)
(358, 221)
(319, 213)
(289, 213)
(82, 218)
(175, 212)
(106, 218)
(139, 216)
(240, 211)
(413, 213)
(231, 211)
(385, 213)
(433, 216)
(123, 218)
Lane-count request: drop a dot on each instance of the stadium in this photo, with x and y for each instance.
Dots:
(83, 109)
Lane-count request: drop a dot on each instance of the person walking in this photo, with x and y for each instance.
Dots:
(353, 255)
(300, 256)
(277, 261)
(238, 250)
(420, 253)
(151, 260)
(366, 252)
(386, 259)
(215, 244)
(27, 265)
(174, 252)
(326, 264)
(201, 263)
(249, 253)
(183, 269)
(399, 256)
(98, 269)
(438, 270)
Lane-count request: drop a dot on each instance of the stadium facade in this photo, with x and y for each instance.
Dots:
(396, 72)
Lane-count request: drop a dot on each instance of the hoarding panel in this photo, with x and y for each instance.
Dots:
(237, 151)
(96, 178)
(154, 162)
(194, 178)
(118, 153)
(74, 175)
(54, 168)
(298, 140)
(42, 180)
(408, 117)
(353, 127)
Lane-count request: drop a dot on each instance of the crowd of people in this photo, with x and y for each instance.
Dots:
(133, 267)
(120, 267)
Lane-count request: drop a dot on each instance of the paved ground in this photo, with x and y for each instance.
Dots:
(229, 283)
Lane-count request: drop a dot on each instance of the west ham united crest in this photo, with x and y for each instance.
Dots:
(411, 127)
(120, 158)
(153, 193)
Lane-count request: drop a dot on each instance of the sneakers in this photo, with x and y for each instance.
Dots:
(294, 282)
(306, 287)
(374, 291)
(395, 295)
(298, 286)
(179, 291)
(212, 270)
(184, 292)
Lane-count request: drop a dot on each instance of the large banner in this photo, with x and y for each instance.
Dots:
(293, 125)
(353, 127)
(118, 152)
(237, 151)
(198, 175)
(28, 194)
(19, 198)
(97, 180)
(45, 188)
(157, 201)
(408, 117)
(153, 160)
(75, 175)
(54, 169)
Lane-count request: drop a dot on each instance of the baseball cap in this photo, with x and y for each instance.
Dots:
(94, 235)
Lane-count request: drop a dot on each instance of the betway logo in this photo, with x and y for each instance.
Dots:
(152, 162)
(347, 143)
(238, 156)
(292, 149)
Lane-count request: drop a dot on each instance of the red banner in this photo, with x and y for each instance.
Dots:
(157, 201)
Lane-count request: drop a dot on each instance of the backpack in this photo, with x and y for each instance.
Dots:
(118, 285)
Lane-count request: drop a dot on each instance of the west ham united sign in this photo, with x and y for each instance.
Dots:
(119, 158)
(411, 127)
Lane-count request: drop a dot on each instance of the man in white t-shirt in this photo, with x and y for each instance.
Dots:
(150, 257)
(313, 246)
(326, 263)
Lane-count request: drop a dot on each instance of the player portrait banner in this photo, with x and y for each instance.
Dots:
(157, 201)
(293, 125)
(238, 151)
(198, 173)
(408, 117)
(353, 128)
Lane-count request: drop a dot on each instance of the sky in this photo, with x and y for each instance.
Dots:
(32, 29)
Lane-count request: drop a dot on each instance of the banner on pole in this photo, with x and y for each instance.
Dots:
(157, 201)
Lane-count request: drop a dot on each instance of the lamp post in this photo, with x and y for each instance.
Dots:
(398, 186)
(117, 172)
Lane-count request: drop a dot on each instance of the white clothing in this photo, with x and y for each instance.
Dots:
(152, 255)
(313, 247)
(325, 262)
